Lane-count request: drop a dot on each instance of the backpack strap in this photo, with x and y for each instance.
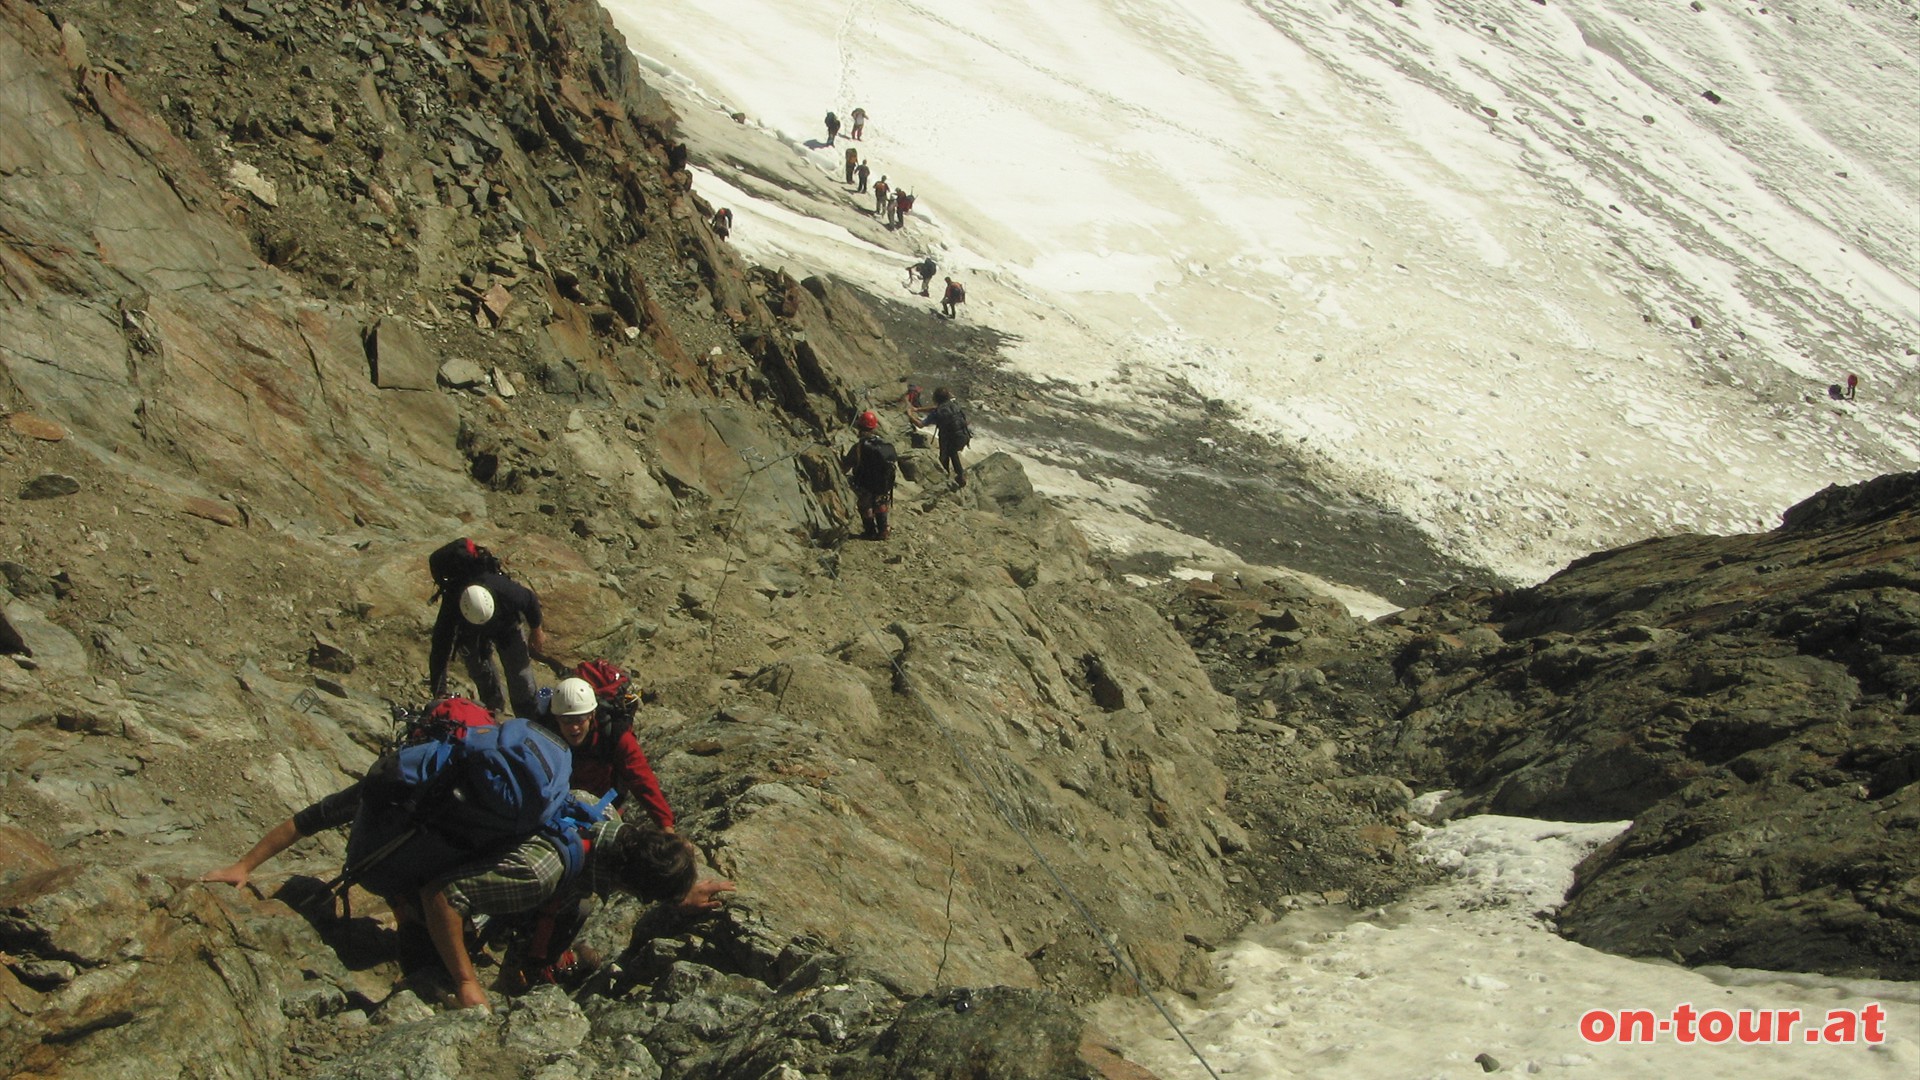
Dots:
(569, 834)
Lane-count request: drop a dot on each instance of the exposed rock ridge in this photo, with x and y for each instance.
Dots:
(1750, 702)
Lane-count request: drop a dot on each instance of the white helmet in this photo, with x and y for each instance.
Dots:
(476, 604)
(573, 697)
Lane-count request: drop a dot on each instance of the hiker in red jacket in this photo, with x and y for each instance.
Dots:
(606, 755)
(951, 300)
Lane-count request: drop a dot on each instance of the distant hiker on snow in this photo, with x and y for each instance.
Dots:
(902, 206)
(833, 127)
(859, 128)
(880, 192)
(596, 723)
(853, 162)
(1853, 383)
(483, 612)
(922, 272)
(871, 464)
(950, 420)
(861, 174)
(951, 300)
(892, 211)
(722, 222)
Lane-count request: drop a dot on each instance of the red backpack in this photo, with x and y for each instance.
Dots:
(449, 717)
(606, 678)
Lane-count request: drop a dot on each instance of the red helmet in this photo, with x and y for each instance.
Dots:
(867, 421)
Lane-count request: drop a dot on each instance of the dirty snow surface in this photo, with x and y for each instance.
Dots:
(1542, 277)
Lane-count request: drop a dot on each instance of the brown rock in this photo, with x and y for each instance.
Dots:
(36, 427)
(402, 360)
(496, 301)
(217, 512)
(23, 853)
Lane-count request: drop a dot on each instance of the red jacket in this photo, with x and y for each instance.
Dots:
(598, 765)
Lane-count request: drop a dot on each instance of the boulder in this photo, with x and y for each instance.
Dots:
(402, 359)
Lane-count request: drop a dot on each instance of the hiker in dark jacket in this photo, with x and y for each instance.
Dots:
(833, 128)
(923, 270)
(950, 421)
(870, 468)
(492, 614)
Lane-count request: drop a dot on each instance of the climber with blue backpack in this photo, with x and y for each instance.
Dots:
(633, 858)
(469, 817)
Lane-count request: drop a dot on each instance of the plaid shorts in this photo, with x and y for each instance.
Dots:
(523, 878)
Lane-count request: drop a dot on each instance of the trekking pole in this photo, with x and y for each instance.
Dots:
(342, 884)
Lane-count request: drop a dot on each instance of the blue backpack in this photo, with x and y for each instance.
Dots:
(467, 792)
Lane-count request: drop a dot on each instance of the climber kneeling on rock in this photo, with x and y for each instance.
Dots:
(637, 859)
(470, 818)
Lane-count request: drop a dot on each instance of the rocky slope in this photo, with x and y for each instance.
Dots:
(290, 293)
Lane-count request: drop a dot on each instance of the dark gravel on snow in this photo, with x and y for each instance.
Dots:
(1208, 478)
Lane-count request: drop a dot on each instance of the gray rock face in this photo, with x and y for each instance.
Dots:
(1743, 699)
(462, 374)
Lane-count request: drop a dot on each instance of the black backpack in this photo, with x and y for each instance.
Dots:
(877, 463)
(459, 563)
(956, 429)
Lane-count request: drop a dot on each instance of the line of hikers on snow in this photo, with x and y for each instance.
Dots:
(470, 820)
(872, 463)
(889, 204)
